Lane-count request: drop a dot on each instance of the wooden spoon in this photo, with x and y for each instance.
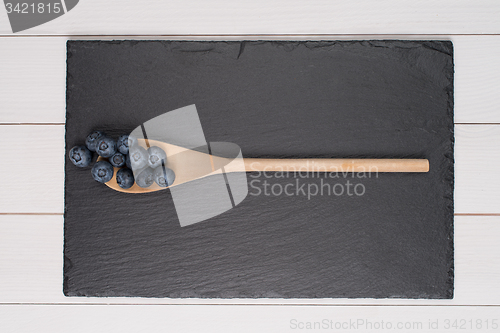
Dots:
(190, 165)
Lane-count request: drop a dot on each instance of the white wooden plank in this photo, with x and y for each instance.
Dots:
(477, 154)
(32, 80)
(477, 259)
(477, 69)
(243, 319)
(475, 192)
(31, 257)
(32, 168)
(33, 76)
(31, 265)
(275, 17)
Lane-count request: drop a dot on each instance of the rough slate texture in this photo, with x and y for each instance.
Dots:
(380, 99)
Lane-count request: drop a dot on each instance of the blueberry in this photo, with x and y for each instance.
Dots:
(92, 140)
(125, 178)
(80, 156)
(127, 162)
(122, 144)
(156, 156)
(132, 141)
(102, 171)
(138, 158)
(106, 147)
(145, 178)
(162, 178)
(117, 160)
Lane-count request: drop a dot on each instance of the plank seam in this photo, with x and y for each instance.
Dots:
(62, 124)
(57, 214)
(258, 304)
(31, 124)
(243, 35)
(42, 214)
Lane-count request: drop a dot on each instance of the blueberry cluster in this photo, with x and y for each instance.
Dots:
(124, 154)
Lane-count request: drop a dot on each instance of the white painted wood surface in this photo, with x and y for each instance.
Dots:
(31, 262)
(476, 192)
(477, 181)
(241, 319)
(32, 95)
(32, 80)
(155, 17)
(477, 72)
(32, 165)
(33, 76)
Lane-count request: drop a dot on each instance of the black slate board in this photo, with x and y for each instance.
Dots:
(379, 99)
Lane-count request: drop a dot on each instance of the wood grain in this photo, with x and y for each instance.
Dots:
(475, 192)
(32, 168)
(477, 68)
(477, 146)
(33, 80)
(190, 165)
(57, 318)
(334, 165)
(93, 17)
(31, 261)
(33, 76)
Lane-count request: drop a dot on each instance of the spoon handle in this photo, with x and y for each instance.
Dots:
(330, 165)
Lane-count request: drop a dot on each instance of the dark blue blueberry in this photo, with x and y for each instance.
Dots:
(80, 156)
(92, 140)
(102, 171)
(117, 160)
(106, 147)
(125, 178)
(132, 141)
(156, 156)
(122, 144)
(164, 178)
(127, 162)
(145, 178)
(138, 158)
